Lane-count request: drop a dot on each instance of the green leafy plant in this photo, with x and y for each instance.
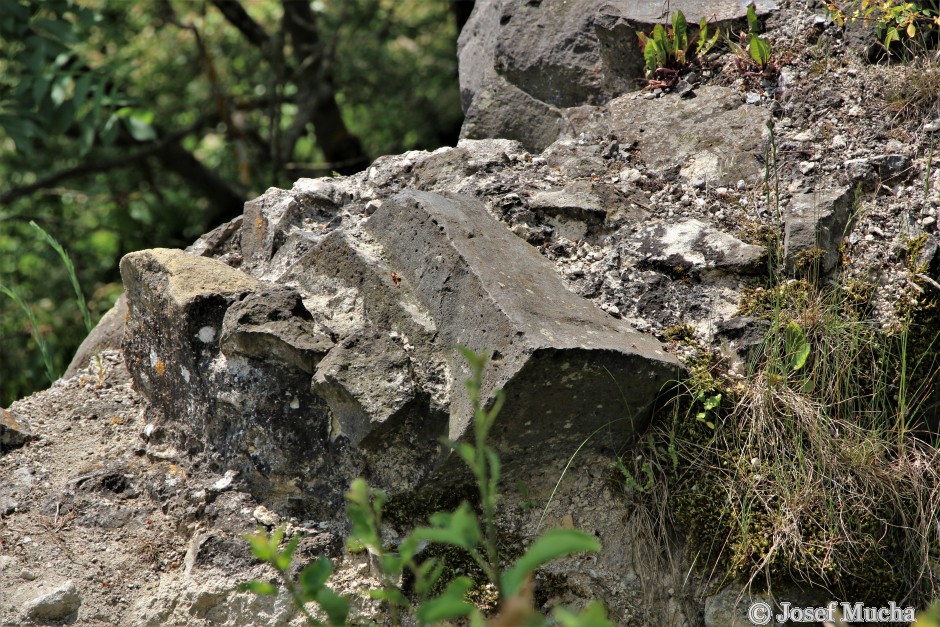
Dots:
(754, 53)
(435, 600)
(894, 21)
(310, 586)
(527, 503)
(667, 52)
(709, 406)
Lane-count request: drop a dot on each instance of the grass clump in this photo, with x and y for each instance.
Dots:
(816, 466)
(911, 93)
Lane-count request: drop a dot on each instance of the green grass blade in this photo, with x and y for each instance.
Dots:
(79, 297)
(43, 345)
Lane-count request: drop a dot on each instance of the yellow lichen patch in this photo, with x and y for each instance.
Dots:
(160, 367)
(259, 226)
(7, 419)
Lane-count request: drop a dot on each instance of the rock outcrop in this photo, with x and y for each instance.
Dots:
(523, 63)
(330, 352)
(578, 229)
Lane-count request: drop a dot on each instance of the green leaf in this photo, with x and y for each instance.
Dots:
(60, 29)
(21, 131)
(449, 605)
(662, 46)
(335, 606)
(427, 574)
(551, 545)
(315, 576)
(392, 595)
(799, 357)
(282, 559)
(258, 587)
(61, 118)
(594, 615)
(60, 88)
(82, 88)
(110, 130)
(461, 528)
(86, 136)
(140, 129)
(753, 25)
(759, 49)
(680, 34)
(796, 345)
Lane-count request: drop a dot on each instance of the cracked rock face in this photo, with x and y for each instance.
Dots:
(330, 352)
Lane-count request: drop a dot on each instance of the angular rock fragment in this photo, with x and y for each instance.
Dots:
(814, 225)
(176, 304)
(574, 212)
(692, 246)
(13, 434)
(524, 61)
(55, 605)
(561, 361)
(272, 324)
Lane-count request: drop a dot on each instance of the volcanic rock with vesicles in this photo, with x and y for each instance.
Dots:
(345, 363)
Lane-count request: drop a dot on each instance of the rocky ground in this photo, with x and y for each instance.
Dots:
(103, 524)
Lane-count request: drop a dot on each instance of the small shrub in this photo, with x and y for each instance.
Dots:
(894, 22)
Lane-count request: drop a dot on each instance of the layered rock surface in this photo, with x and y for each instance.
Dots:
(311, 340)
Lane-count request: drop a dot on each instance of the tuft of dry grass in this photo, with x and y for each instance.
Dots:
(913, 92)
(811, 469)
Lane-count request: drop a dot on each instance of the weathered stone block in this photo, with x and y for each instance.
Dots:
(815, 224)
(175, 306)
(563, 363)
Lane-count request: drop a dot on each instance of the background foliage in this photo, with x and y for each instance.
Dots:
(129, 124)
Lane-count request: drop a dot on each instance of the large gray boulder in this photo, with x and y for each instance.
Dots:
(560, 53)
(337, 357)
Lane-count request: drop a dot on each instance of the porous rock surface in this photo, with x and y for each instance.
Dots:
(330, 353)
(311, 340)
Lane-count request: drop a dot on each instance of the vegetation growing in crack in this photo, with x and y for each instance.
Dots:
(667, 52)
(818, 463)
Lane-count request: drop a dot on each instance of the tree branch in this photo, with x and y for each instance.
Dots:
(92, 168)
(225, 200)
(315, 87)
(238, 17)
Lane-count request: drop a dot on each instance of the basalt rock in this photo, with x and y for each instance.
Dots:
(342, 362)
(814, 225)
(521, 62)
